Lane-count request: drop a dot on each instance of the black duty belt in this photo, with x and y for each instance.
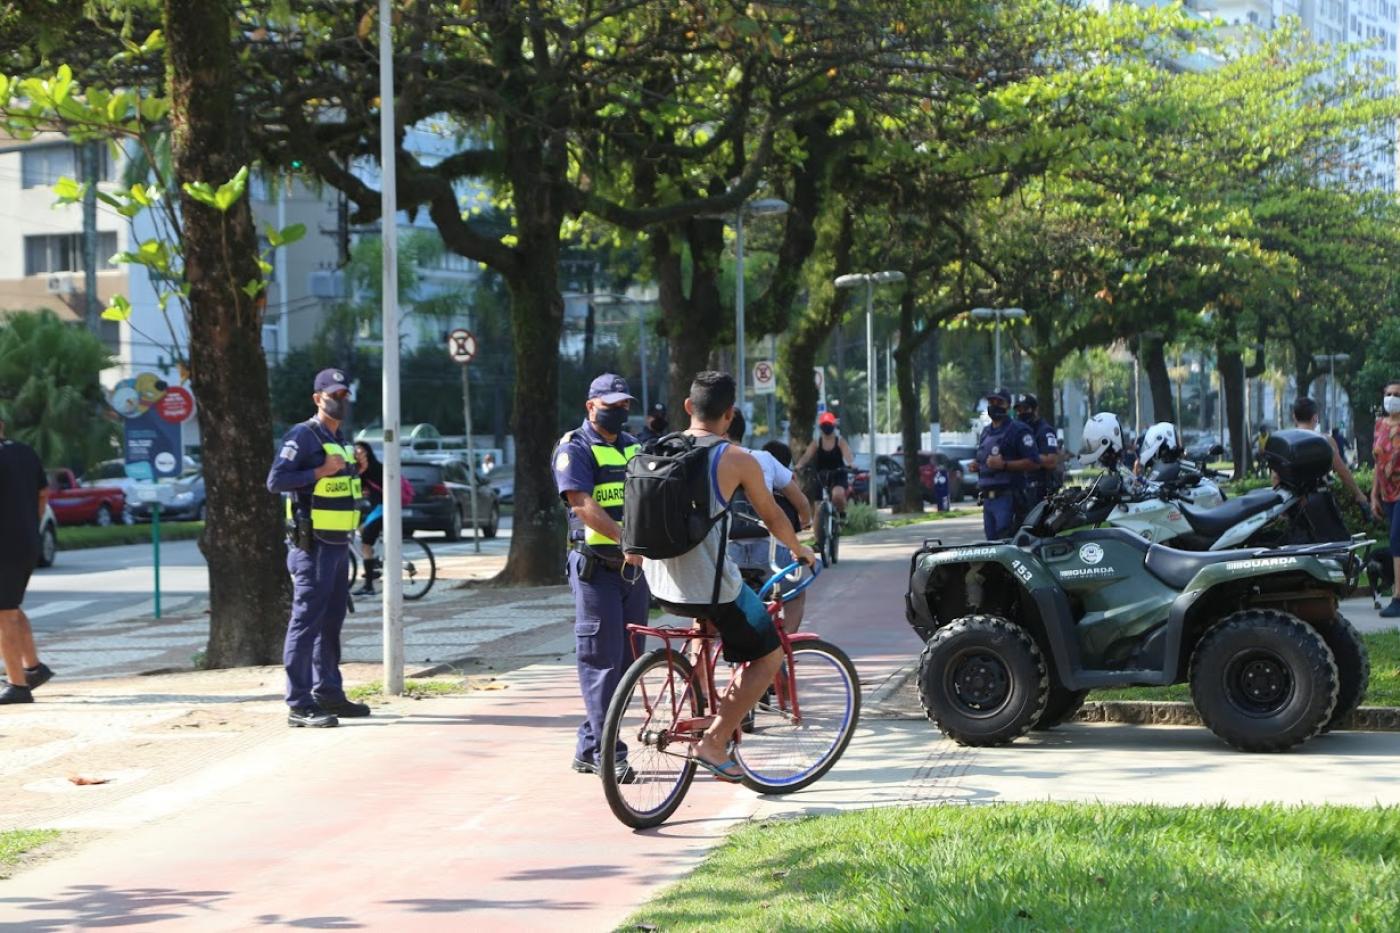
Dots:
(607, 563)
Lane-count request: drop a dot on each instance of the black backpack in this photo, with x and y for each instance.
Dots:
(666, 496)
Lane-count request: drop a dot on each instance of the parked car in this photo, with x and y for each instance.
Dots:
(113, 473)
(891, 479)
(48, 537)
(442, 499)
(75, 504)
(186, 501)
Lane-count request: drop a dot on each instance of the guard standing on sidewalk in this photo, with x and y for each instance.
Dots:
(590, 463)
(1042, 482)
(316, 470)
(1005, 454)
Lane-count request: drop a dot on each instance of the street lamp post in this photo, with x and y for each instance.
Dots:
(393, 511)
(764, 207)
(870, 280)
(1331, 360)
(997, 314)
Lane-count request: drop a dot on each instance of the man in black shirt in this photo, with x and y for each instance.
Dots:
(23, 491)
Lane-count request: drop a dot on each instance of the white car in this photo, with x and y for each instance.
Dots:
(48, 538)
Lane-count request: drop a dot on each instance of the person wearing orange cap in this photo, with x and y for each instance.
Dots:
(831, 456)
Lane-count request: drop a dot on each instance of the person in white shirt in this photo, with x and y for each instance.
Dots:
(754, 551)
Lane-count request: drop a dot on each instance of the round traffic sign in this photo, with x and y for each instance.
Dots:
(461, 345)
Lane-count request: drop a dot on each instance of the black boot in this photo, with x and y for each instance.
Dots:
(371, 573)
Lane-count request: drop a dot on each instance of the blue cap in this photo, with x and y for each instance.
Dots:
(610, 389)
(328, 380)
(1000, 393)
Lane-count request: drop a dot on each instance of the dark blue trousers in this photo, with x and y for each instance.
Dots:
(320, 584)
(998, 516)
(603, 608)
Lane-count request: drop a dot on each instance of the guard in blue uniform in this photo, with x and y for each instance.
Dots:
(315, 470)
(1006, 452)
(1042, 482)
(610, 593)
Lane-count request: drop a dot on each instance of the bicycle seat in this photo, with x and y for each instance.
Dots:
(1178, 568)
(1215, 522)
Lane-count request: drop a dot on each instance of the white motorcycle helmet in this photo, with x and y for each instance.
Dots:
(1159, 439)
(1102, 433)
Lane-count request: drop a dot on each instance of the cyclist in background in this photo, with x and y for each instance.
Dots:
(830, 456)
(372, 475)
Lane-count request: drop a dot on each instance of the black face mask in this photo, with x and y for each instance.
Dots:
(658, 425)
(996, 412)
(337, 408)
(610, 420)
(1027, 416)
(828, 429)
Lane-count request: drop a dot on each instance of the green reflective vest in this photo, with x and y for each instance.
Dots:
(333, 512)
(607, 485)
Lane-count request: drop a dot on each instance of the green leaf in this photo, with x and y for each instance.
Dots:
(68, 190)
(253, 287)
(118, 310)
(201, 192)
(139, 195)
(288, 235)
(230, 191)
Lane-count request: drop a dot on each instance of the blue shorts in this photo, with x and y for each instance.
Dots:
(744, 626)
(1390, 511)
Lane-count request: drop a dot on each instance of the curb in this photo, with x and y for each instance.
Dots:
(1177, 713)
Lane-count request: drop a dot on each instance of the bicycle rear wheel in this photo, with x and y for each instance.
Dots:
(419, 569)
(834, 543)
(354, 562)
(647, 787)
(820, 527)
(786, 752)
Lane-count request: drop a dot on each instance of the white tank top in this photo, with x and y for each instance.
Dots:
(690, 578)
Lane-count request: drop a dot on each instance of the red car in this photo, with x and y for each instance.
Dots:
(83, 505)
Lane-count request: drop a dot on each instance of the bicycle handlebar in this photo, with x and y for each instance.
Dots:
(792, 593)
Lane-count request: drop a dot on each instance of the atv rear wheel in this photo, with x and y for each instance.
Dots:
(1061, 704)
(983, 681)
(1263, 680)
(1353, 668)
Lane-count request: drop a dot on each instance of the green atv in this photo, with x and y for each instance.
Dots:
(1016, 633)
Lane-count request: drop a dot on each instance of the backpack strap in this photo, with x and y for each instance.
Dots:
(719, 562)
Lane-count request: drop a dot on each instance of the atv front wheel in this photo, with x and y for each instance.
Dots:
(1060, 706)
(1263, 680)
(1353, 668)
(983, 681)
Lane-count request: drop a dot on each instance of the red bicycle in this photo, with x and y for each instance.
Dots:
(796, 733)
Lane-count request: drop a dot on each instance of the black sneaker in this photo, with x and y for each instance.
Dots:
(625, 773)
(344, 707)
(311, 718)
(37, 676)
(14, 694)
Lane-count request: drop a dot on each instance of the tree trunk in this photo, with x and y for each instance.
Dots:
(249, 589)
(1043, 366)
(1231, 364)
(908, 404)
(1154, 360)
(537, 319)
(799, 353)
(691, 322)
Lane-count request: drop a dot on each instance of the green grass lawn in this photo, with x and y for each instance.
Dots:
(1385, 677)
(16, 842)
(78, 537)
(413, 689)
(1048, 867)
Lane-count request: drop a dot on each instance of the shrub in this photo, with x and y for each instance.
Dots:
(860, 518)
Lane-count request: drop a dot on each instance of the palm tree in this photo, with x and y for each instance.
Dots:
(50, 396)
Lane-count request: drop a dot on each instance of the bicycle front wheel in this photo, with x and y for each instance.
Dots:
(821, 528)
(419, 569)
(834, 542)
(802, 729)
(645, 763)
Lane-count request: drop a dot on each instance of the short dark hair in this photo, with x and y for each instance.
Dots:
(711, 394)
(1304, 409)
(737, 427)
(780, 452)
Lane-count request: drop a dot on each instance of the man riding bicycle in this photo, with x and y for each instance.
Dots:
(831, 456)
(702, 584)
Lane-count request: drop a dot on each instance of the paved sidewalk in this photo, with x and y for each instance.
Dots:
(460, 812)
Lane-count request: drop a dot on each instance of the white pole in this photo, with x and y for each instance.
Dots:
(740, 375)
(471, 452)
(870, 386)
(393, 505)
(642, 353)
(996, 329)
(889, 385)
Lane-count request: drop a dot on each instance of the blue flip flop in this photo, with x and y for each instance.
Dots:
(727, 770)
